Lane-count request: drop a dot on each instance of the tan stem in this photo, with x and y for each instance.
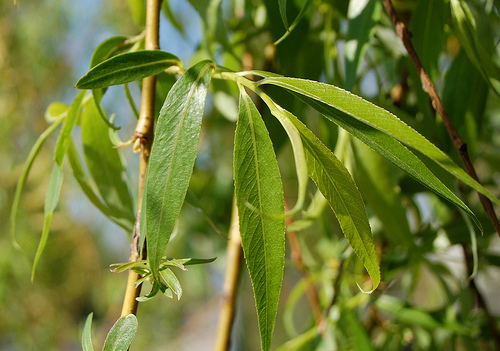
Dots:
(144, 133)
(429, 88)
(234, 255)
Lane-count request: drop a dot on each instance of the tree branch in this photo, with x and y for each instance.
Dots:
(144, 135)
(429, 88)
(230, 288)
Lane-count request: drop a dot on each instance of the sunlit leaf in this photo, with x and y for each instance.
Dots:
(172, 159)
(172, 282)
(298, 153)
(55, 111)
(336, 185)
(126, 68)
(258, 183)
(392, 150)
(354, 107)
(87, 334)
(121, 334)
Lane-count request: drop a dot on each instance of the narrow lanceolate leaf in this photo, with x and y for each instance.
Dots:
(373, 175)
(105, 165)
(363, 15)
(109, 48)
(121, 334)
(24, 175)
(172, 159)
(337, 186)
(126, 68)
(259, 194)
(354, 107)
(51, 200)
(89, 190)
(282, 6)
(65, 135)
(481, 57)
(87, 334)
(392, 150)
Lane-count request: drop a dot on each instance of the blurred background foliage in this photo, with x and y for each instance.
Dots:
(427, 301)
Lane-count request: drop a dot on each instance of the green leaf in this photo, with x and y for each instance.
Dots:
(300, 342)
(427, 27)
(24, 175)
(65, 135)
(172, 282)
(108, 48)
(363, 15)
(126, 68)
(392, 150)
(298, 153)
(381, 192)
(105, 165)
(55, 111)
(354, 107)
(172, 159)
(282, 5)
(138, 10)
(87, 334)
(337, 186)
(171, 17)
(360, 340)
(411, 316)
(51, 200)
(89, 190)
(121, 334)
(295, 22)
(257, 182)
(465, 28)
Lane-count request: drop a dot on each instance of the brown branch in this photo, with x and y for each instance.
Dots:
(429, 88)
(144, 134)
(230, 288)
(296, 257)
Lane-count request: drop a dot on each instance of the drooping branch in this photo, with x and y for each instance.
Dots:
(144, 137)
(429, 88)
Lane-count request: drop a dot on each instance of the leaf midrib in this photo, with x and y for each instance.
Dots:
(184, 113)
(128, 68)
(259, 190)
(338, 192)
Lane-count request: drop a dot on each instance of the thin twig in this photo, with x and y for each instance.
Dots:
(230, 288)
(428, 87)
(143, 133)
(296, 256)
